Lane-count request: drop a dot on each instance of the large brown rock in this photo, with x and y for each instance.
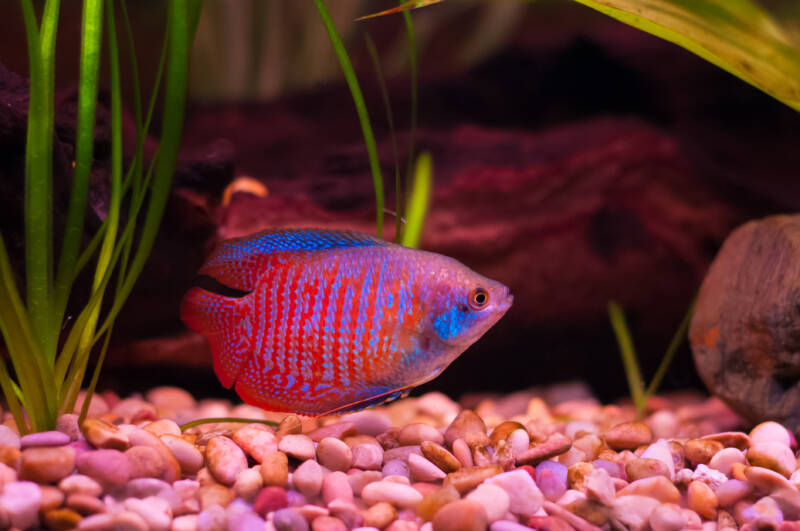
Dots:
(745, 333)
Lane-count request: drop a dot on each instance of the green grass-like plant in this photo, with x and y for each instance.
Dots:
(49, 358)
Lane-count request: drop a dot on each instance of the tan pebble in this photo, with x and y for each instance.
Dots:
(257, 440)
(129, 521)
(400, 453)
(551, 523)
(61, 519)
(379, 515)
(188, 456)
(186, 522)
(469, 427)
(644, 468)
(503, 430)
(461, 515)
(634, 511)
(725, 521)
(144, 462)
(482, 457)
(47, 465)
(290, 425)
(731, 492)
(275, 469)
(298, 446)
(570, 457)
(763, 514)
(85, 504)
(215, 494)
(80, 484)
(52, 498)
(172, 469)
(770, 431)
(462, 452)
(435, 500)
(667, 517)
(439, 456)
(628, 435)
(592, 511)
(334, 454)
(310, 512)
(134, 410)
(225, 459)
(656, 487)
(403, 525)
(700, 451)
(102, 434)
(590, 444)
(735, 439)
(399, 495)
(423, 470)
(724, 459)
(414, 434)
(468, 478)
(388, 439)
(248, 484)
(10, 456)
(355, 440)
(577, 474)
(600, 487)
(163, 427)
(328, 523)
(737, 471)
(765, 480)
(702, 500)
(772, 455)
(556, 444)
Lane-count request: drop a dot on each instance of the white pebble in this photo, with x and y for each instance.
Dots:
(660, 450)
(494, 499)
(404, 496)
(155, 511)
(299, 446)
(725, 458)
(423, 470)
(709, 476)
(20, 500)
(520, 441)
(769, 431)
(634, 511)
(524, 496)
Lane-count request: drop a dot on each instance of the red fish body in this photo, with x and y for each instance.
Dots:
(334, 321)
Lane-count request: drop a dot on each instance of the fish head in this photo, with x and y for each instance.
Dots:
(464, 305)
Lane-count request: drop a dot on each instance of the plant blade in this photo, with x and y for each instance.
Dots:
(736, 35)
(419, 200)
(629, 361)
(403, 7)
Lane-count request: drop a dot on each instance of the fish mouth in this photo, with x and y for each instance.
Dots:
(506, 303)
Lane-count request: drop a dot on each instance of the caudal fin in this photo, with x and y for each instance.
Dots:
(225, 322)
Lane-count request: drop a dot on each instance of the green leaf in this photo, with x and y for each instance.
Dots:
(403, 7)
(418, 202)
(629, 361)
(736, 35)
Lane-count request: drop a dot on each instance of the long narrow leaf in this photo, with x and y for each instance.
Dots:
(629, 361)
(669, 355)
(414, 68)
(418, 203)
(736, 35)
(404, 7)
(361, 109)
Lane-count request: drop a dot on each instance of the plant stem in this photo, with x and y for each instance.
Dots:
(361, 109)
(215, 420)
(628, 353)
(666, 361)
(418, 201)
(414, 67)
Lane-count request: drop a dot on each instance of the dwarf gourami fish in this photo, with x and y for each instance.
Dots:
(331, 321)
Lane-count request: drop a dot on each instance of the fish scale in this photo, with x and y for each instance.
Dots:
(334, 321)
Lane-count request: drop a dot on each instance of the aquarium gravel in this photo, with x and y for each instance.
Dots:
(528, 460)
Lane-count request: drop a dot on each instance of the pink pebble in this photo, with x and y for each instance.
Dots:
(270, 499)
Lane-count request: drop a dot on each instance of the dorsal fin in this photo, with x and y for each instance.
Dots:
(238, 262)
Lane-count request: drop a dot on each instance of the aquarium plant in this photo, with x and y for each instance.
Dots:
(48, 352)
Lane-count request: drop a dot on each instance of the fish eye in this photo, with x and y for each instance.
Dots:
(478, 299)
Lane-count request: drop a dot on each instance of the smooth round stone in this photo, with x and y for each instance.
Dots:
(134, 410)
(140, 437)
(47, 465)
(107, 467)
(347, 512)
(634, 511)
(188, 456)
(68, 424)
(770, 431)
(700, 451)
(667, 517)
(270, 499)
(85, 504)
(506, 525)
(524, 495)
(248, 484)
(61, 519)
(97, 522)
(403, 525)
(20, 502)
(397, 494)
(257, 440)
(628, 436)
(519, 441)
(469, 427)
(401, 452)
(156, 512)
(171, 398)
(462, 452)
(656, 487)
(360, 478)
(380, 515)
(774, 456)
(337, 430)
(52, 498)
(8, 437)
(298, 446)
(144, 462)
(643, 468)
(413, 434)
(664, 424)
(295, 498)
(212, 519)
(328, 523)
(702, 500)
(163, 427)
(44, 438)
(334, 454)
(80, 484)
(369, 422)
(661, 451)
(731, 492)
(439, 456)
(335, 486)
(308, 479)
(186, 522)
(147, 487)
(275, 469)
(289, 520)
(765, 480)
(724, 459)
(461, 515)
(494, 499)
(367, 456)
(423, 470)
(225, 459)
(764, 514)
(396, 467)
